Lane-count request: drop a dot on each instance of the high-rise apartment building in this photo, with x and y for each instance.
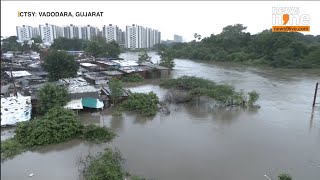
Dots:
(177, 38)
(141, 37)
(24, 32)
(47, 33)
(71, 31)
(111, 33)
(88, 32)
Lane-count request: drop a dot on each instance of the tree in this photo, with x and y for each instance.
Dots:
(67, 44)
(113, 49)
(97, 47)
(37, 39)
(116, 88)
(52, 95)
(143, 57)
(10, 44)
(60, 65)
(167, 59)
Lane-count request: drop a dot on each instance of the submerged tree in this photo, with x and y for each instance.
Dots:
(60, 65)
(143, 57)
(166, 58)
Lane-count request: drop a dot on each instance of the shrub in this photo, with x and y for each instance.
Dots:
(253, 97)
(104, 166)
(196, 87)
(133, 78)
(10, 148)
(97, 133)
(145, 104)
(57, 125)
(284, 176)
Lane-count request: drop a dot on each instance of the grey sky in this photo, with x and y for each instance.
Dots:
(181, 17)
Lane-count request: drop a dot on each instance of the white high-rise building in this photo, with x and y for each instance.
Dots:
(47, 33)
(141, 37)
(35, 32)
(88, 32)
(24, 33)
(177, 38)
(57, 31)
(111, 33)
(71, 32)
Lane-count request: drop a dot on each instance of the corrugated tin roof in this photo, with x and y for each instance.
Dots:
(126, 63)
(18, 73)
(15, 109)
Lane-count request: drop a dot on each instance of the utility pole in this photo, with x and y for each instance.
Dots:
(315, 95)
(12, 78)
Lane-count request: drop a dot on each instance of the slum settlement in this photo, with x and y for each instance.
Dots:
(22, 76)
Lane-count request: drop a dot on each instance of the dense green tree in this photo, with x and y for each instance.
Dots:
(290, 50)
(60, 65)
(52, 95)
(37, 39)
(95, 49)
(143, 57)
(113, 49)
(67, 44)
(10, 44)
(98, 47)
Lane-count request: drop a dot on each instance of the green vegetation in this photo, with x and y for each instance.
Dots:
(37, 39)
(67, 44)
(133, 78)
(233, 44)
(284, 176)
(166, 58)
(143, 57)
(99, 47)
(56, 126)
(186, 88)
(144, 104)
(10, 148)
(60, 65)
(97, 134)
(10, 44)
(116, 88)
(104, 166)
(51, 95)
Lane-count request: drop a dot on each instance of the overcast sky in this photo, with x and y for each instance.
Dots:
(181, 17)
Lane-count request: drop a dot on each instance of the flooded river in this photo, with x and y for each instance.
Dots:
(199, 142)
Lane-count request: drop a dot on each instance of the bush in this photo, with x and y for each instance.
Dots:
(10, 148)
(133, 78)
(253, 97)
(284, 176)
(104, 166)
(52, 95)
(196, 87)
(145, 104)
(57, 125)
(97, 133)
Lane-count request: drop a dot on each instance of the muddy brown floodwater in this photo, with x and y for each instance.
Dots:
(200, 142)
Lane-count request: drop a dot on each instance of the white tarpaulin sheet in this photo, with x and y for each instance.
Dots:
(15, 109)
(74, 104)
